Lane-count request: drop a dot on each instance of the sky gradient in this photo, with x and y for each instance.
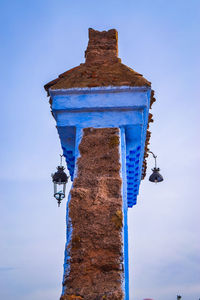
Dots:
(41, 39)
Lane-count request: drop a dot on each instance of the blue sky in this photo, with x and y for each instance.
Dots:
(41, 39)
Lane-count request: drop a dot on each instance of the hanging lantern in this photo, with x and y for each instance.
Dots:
(155, 176)
(60, 180)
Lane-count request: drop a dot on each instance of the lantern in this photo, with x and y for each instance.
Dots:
(60, 180)
(155, 176)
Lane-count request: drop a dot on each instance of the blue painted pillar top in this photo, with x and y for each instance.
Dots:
(124, 107)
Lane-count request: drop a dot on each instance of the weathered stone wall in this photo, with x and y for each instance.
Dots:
(95, 210)
(102, 47)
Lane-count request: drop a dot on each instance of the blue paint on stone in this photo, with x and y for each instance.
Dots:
(67, 138)
(125, 211)
(66, 265)
(124, 107)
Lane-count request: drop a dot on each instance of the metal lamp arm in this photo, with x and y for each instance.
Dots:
(61, 156)
(154, 156)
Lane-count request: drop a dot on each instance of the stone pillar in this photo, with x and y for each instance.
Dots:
(101, 110)
(95, 261)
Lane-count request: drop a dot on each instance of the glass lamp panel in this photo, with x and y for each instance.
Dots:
(59, 187)
(55, 188)
(64, 188)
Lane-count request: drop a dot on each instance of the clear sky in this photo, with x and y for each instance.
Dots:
(41, 39)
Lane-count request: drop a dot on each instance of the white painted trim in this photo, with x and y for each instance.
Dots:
(105, 89)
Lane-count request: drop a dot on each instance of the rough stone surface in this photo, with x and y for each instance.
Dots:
(102, 47)
(102, 66)
(95, 250)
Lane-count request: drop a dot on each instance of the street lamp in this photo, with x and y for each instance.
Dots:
(155, 176)
(60, 180)
(179, 297)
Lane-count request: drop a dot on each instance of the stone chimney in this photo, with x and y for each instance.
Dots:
(102, 47)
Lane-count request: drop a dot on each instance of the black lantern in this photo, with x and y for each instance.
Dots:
(178, 297)
(155, 176)
(60, 180)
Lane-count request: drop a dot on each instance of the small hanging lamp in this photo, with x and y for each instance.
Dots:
(60, 180)
(155, 176)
